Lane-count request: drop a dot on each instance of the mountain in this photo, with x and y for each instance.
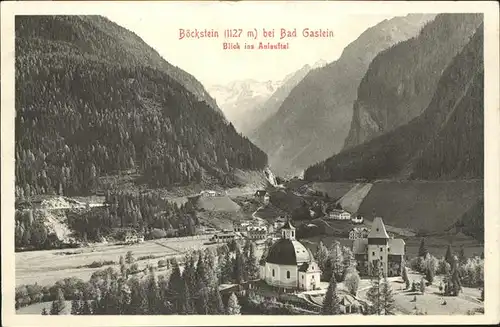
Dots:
(93, 99)
(314, 119)
(443, 143)
(238, 98)
(248, 103)
(401, 80)
(260, 113)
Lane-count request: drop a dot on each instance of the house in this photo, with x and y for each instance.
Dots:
(357, 219)
(257, 232)
(223, 237)
(262, 196)
(208, 193)
(379, 250)
(358, 232)
(338, 214)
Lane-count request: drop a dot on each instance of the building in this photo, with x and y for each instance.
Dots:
(358, 232)
(289, 265)
(209, 193)
(223, 237)
(357, 219)
(257, 232)
(262, 196)
(379, 250)
(337, 214)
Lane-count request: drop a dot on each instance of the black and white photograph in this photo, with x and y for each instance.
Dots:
(243, 158)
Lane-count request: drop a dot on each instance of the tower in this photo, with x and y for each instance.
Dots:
(288, 231)
(378, 246)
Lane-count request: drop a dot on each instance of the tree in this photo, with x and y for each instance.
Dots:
(429, 274)
(239, 267)
(449, 255)
(175, 289)
(337, 261)
(233, 307)
(405, 277)
(331, 303)
(58, 305)
(75, 307)
(44, 312)
(129, 258)
(321, 255)
(227, 268)
(387, 297)
(216, 305)
(252, 267)
(461, 255)
(86, 308)
(374, 295)
(422, 251)
(352, 281)
(422, 285)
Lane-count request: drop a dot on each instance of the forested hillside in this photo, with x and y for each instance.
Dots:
(401, 80)
(314, 119)
(445, 142)
(93, 99)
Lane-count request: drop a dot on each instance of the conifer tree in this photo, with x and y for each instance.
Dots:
(175, 289)
(422, 250)
(153, 295)
(233, 307)
(252, 267)
(216, 304)
(138, 301)
(227, 268)
(202, 299)
(189, 275)
(387, 297)
(75, 307)
(374, 295)
(44, 312)
(86, 308)
(58, 305)
(239, 267)
(331, 303)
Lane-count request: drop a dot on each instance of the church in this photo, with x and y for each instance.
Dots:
(289, 265)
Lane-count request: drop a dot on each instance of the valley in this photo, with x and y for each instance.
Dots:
(139, 190)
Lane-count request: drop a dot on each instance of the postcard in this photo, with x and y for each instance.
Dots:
(193, 163)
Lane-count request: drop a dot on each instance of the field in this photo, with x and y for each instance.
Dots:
(36, 309)
(423, 206)
(47, 267)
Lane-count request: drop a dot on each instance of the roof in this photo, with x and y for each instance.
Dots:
(307, 266)
(397, 246)
(288, 252)
(359, 246)
(261, 192)
(378, 229)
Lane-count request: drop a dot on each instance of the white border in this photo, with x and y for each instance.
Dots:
(490, 10)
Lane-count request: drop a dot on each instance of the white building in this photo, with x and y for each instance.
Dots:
(337, 214)
(289, 265)
(357, 219)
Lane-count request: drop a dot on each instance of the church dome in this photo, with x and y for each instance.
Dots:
(288, 252)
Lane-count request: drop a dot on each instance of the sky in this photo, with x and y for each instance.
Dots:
(209, 63)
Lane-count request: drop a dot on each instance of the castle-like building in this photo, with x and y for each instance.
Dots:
(379, 250)
(289, 265)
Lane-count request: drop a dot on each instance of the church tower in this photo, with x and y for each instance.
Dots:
(288, 231)
(378, 240)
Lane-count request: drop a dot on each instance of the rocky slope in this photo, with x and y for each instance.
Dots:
(401, 81)
(313, 121)
(248, 103)
(443, 143)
